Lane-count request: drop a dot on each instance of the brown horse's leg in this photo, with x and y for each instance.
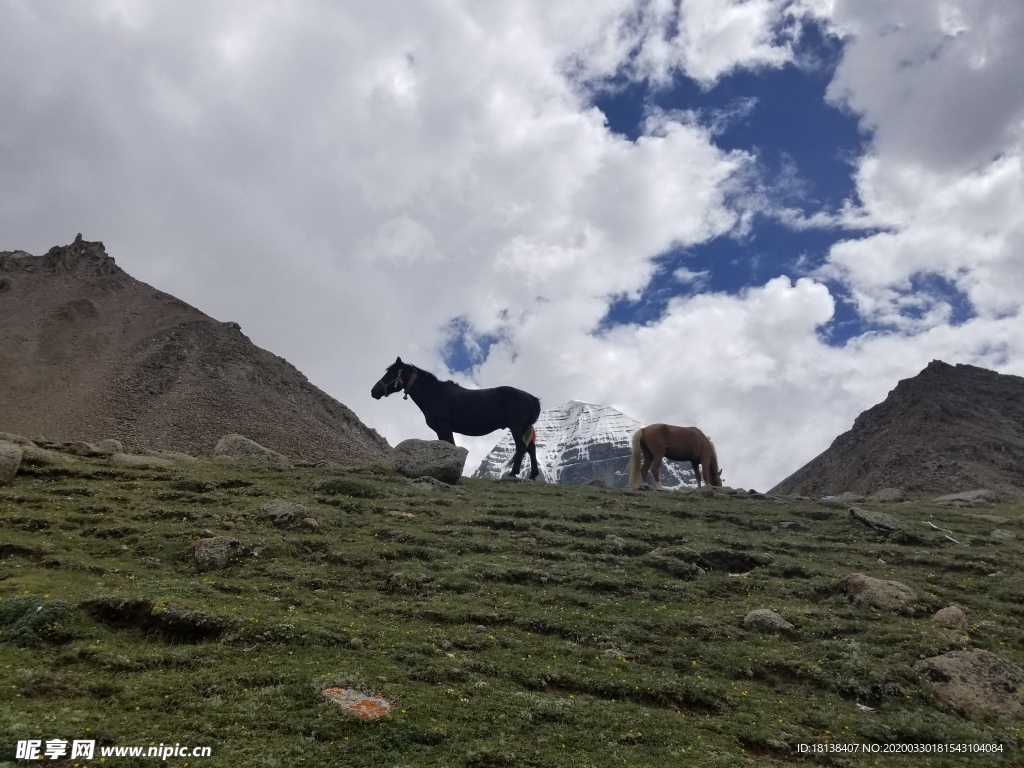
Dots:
(696, 470)
(648, 459)
(656, 471)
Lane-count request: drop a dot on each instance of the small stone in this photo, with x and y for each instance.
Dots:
(309, 522)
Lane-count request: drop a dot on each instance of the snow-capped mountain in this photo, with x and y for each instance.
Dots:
(577, 442)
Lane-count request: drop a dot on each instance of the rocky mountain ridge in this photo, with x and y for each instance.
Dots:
(947, 430)
(88, 352)
(577, 442)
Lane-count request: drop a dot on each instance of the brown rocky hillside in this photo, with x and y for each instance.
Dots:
(88, 352)
(946, 430)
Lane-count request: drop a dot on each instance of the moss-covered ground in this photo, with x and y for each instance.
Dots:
(510, 624)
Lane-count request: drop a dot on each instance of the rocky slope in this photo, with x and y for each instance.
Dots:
(577, 442)
(948, 429)
(88, 352)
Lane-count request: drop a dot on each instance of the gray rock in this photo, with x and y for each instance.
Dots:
(982, 494)
(282, 513)
(82, 448)
(110, 446)
(10, 460)
(174, 456)
(878, 593)
(217, 551)
(952, 616)
(144, 462)
(877, 520)
(980, 684)
(888, 495)
(1001, 534)
(245, 451)
(431, 458)
(764, 620)
(10, 437)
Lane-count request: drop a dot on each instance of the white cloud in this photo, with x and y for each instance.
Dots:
(344, 180)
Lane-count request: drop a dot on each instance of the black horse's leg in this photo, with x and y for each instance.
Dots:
(517, 459)
(445, 434)
(534, 467)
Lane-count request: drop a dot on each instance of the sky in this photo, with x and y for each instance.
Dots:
(753, 216)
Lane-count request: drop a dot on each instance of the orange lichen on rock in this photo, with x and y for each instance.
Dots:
(357, 704)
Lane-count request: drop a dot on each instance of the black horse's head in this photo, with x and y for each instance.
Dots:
(394, 379)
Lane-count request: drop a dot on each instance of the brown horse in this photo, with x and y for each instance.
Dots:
(663, 441)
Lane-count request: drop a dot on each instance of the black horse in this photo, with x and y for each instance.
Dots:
(449, 408)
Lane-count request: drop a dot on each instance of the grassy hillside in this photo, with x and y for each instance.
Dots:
(511, 624)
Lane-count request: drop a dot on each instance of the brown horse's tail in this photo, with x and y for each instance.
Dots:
(712, 468)
(636, 457)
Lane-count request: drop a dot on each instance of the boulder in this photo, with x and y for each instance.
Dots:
(877, 520)
(245, 451)
(980, 684)
(10, 460)
(982, 494)
(431, 458)
(878, 593)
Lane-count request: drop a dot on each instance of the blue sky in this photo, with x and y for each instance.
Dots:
(753, 216)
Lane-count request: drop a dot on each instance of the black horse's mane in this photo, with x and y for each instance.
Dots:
(429, 375)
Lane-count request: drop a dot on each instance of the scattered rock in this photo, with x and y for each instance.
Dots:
(1001, 534)
(878, 593)
(952, 616)
(877, 520)
(173, 456)
(432, 458)
(616, 543)
(980, 684)
(109, 446)
(82, 448)
(246, 451)
(982, 494)
(888, 495)
(143, 462)
(311, 523)
(764, 620)
(227, 524)
(283, 513)
(10, 461)
(402, 515)
(358, 705)
(217, 551)
(10, 437)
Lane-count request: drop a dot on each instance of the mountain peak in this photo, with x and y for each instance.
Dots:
(579, 441)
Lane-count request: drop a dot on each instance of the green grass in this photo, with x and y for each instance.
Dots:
(512, 624)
